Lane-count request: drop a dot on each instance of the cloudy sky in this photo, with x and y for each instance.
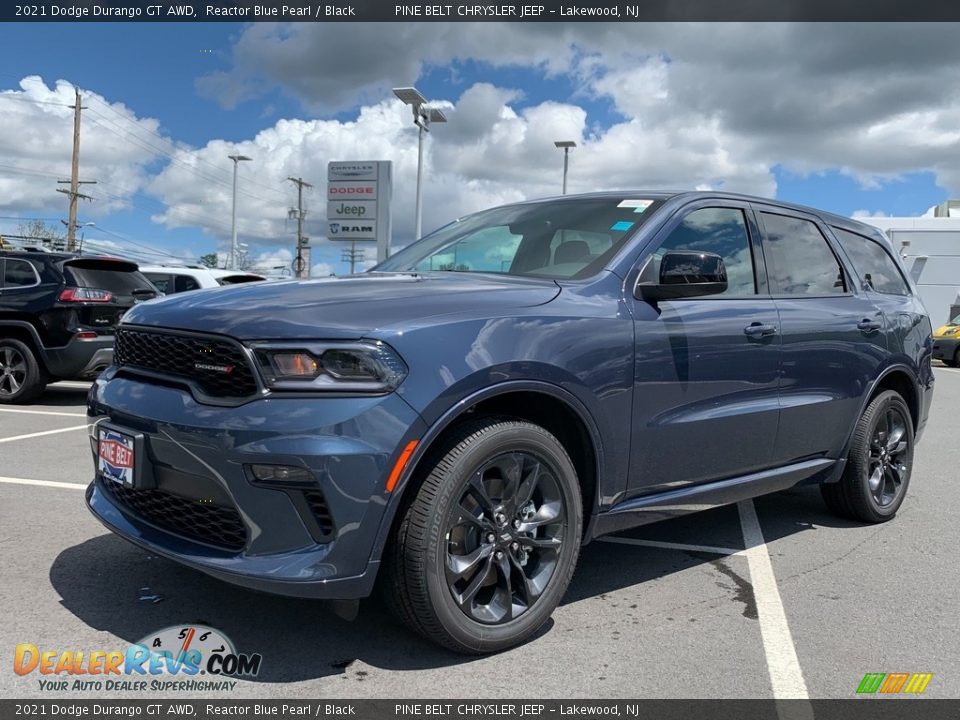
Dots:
(853, 118)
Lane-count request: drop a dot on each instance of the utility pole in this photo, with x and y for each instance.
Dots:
(302, 272)
(75, 181)
(353, 256)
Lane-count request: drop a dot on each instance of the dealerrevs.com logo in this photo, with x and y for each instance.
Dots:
(173, 659)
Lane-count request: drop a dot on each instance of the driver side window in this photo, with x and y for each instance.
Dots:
(718, 230)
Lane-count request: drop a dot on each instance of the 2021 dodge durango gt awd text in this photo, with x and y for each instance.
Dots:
(523, 380)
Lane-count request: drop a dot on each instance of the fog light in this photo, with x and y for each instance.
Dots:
(281, 474)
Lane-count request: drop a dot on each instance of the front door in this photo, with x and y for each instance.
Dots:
(705, 394)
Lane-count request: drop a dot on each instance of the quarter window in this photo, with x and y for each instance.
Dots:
(799, 260)
(878, 270)
(718, 230)
(19, 273)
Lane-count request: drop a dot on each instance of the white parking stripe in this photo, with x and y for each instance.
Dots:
(41, 434)
(42, 483)
(72, 384)
(714, 550)
(786, 678)
(41, 412)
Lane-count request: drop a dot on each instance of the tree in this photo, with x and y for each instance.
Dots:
(50, 236)
(209, 260)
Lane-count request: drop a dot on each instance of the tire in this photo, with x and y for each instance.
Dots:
(470, 531)
(877, 475)
(21, 377)
(953, 361)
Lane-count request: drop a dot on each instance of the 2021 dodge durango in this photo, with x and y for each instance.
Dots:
(477, 407)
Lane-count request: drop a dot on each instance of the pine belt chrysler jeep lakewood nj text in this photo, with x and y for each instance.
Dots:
(523, 380)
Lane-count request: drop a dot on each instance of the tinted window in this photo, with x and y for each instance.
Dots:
(799, 260)
(718, 230)
(19, 273)
(182, 283)
(161, 281)
(874, 264)
(117, 282)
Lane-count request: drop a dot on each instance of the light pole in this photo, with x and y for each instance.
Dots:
(423, 116)
(566, 145)
(83, 232)
(233, 232)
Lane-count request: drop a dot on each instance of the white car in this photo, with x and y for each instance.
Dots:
(175, 279)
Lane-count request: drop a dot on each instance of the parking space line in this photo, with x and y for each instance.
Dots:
(41, 434)
(41, 412)
(671, 546)
(42, 483)
(72, 384)
(786, 677)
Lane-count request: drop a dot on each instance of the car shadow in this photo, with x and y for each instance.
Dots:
(115, 587)
(61, 396)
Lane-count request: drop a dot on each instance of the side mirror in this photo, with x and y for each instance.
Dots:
(684, 273)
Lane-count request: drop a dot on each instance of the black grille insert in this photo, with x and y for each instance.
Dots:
(219, 367)
(195, 520)
(318, 508)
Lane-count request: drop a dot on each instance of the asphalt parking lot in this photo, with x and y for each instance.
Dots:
(774, 598)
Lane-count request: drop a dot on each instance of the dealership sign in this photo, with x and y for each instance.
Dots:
(358, 202)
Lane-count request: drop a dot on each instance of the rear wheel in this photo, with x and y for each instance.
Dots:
(21, 377)
(953, 361)
(877, 474)
(486, 549)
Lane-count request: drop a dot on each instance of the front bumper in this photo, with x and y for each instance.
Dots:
(945, 348)
(193, 461)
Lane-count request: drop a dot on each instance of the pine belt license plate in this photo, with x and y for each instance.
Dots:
(116, 456)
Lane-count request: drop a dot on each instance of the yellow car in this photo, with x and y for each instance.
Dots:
(945, 341)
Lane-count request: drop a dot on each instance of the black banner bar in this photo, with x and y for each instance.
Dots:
(865, 708)
(482, 11)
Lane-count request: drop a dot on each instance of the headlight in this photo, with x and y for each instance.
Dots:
(357, 367)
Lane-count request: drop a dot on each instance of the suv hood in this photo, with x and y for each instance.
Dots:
(339, 308)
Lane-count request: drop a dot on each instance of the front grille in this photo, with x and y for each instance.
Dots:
(318, 508)
(218, 367)
(195, 520)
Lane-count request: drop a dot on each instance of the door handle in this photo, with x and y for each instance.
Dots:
(759, 330)
(867, 325)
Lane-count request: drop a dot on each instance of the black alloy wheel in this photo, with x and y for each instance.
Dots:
(877, 473)
(504, 537)
(487, 544)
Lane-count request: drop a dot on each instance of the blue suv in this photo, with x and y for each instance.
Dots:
(473, 410)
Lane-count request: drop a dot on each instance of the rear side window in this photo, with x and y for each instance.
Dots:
(117, 282)
(874, 264)
(19, 273)
(718, 230)
(162, 282)
(183, 283)
(799, 260)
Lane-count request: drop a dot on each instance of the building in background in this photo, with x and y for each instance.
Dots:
(930, 248)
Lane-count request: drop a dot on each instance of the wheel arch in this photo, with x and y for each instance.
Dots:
(544, 404)
(899, 378)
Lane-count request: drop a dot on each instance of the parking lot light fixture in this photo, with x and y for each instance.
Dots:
(566, 145)
(423, 117)
(237, 159)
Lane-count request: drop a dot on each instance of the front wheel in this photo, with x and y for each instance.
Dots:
(877, 474)
(486, 549)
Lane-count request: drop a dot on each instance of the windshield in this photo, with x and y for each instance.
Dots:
(567, 238)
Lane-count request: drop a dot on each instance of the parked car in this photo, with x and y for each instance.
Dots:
(461, 419)
(58, 313)
(946, 343)
(176, 279)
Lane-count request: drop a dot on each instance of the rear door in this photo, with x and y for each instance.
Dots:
(834, 336)
(705, 395)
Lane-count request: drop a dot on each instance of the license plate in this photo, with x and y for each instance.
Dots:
(116, 457)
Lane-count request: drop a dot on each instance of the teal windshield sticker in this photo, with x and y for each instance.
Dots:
(621, 226)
